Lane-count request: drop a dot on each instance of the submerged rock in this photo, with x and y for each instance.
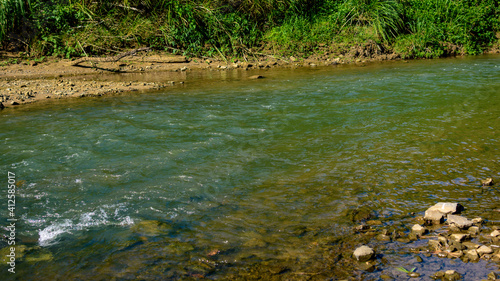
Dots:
(256, 77)
(150, 228)
(364, 253)
(452, 275)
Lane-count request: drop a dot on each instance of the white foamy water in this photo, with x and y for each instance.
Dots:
(50, 234)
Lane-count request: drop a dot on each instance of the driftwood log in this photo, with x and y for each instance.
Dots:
(109, 59)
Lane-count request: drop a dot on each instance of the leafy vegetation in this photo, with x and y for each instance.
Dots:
(238, 28)
(402, 269)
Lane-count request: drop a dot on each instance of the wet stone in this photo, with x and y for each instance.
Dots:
(472, 255)
(459, 237)
(443, 241)
(487, 182)
(484, 250)
(459, 221)
(495, 233)
(374, 222)
(470, 245)
(452, 275)
(364, 253)
(414, 274)
(434, 244)
(447, 208)
(456, 246)
(477, 221)
(386, 277)
(438, 275)
(256, 77)
(419, 229)
(433, 217)
(383, 237)
(474, 230)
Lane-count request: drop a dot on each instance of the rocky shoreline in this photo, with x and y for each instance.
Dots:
(442, 232)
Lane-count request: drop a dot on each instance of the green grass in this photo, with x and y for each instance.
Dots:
(228, 29)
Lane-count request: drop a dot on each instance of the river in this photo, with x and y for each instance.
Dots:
(226, 177)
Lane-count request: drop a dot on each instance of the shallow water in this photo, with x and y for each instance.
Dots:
(229, 177)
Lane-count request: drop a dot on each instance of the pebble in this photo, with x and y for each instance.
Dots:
(414, 274)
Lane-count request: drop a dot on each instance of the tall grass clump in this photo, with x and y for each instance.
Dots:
(384, 16)
(12, 14)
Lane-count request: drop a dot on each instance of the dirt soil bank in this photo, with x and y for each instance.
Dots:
(26, 81)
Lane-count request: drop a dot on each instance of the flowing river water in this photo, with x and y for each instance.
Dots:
(229, 178)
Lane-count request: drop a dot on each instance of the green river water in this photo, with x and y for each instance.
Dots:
(230, 178)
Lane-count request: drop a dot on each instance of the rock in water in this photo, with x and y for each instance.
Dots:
(2, 106)
(364, 253)
(487, 182)
(484, 250)
(459, 221)
(433, 216)
(256, 77)
(436, 213)
(472, 255)
(459, 237)
(447, 208)
(417, 228)
(452, 275)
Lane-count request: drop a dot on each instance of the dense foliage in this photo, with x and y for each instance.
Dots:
(230, 28)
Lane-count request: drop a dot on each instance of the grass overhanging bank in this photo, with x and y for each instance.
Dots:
(244, 29)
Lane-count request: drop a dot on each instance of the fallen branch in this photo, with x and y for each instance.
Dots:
(109, 59)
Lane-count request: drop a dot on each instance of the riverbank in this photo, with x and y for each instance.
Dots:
(24, 81)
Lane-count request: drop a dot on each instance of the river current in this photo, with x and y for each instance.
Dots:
(226, 177)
